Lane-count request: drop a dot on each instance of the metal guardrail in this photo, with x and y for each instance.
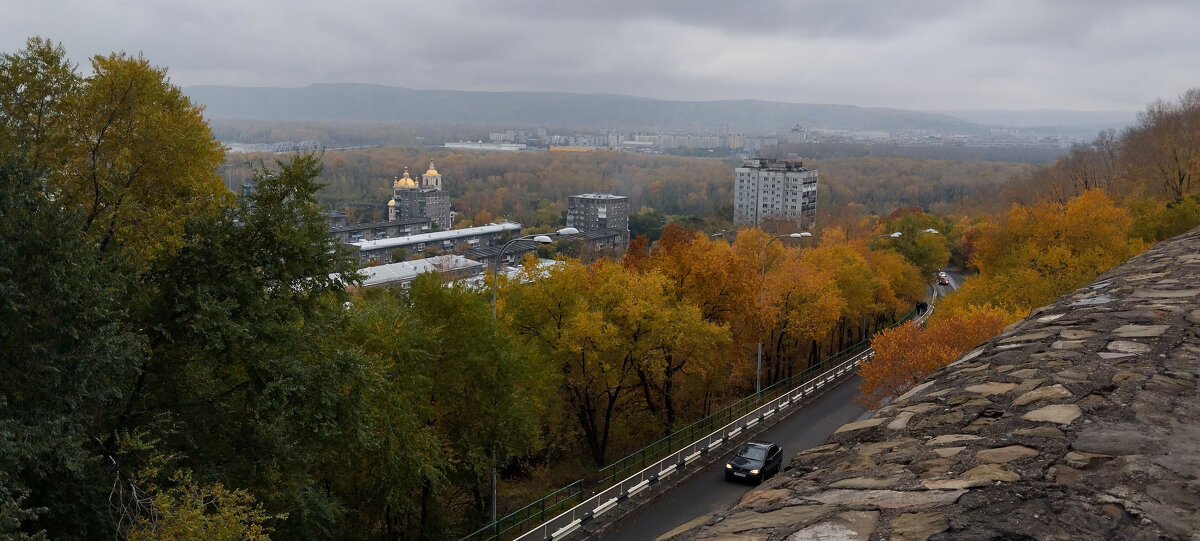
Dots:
(607, 499)
(732, 420)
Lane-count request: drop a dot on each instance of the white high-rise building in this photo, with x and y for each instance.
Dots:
(774, 189)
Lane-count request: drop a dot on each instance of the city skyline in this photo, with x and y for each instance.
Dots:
(940, 56)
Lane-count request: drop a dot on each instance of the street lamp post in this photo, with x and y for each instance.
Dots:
(540, 239)
(761, 287)
(894, 235)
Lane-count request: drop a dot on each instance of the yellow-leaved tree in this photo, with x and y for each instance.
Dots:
(139, 159)
(1031, 256)
(909, 353)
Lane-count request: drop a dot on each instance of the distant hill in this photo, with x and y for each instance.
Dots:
(1046, 118)
(363, 102)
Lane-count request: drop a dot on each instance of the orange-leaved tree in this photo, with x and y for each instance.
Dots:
(909, 353)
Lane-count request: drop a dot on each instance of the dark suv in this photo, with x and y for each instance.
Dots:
(754, 461)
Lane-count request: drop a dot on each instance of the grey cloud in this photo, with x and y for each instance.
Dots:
(1109, 54)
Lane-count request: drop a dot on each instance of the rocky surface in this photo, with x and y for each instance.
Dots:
(1079, 422)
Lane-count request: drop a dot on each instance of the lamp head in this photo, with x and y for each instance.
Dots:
(543, 239)
(896, 235)
(568, 231)
(931, 230)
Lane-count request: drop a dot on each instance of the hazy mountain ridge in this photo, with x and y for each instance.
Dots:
(365, 102)
(1046, 118)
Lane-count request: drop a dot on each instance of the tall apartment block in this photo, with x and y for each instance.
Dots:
(601, 218)
(598, 211)
(774, 190)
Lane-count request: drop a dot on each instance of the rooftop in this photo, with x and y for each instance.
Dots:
(601, 196)
(406, 271)
(437, 236)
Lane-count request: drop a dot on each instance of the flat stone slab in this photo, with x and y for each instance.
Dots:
(921, 407)
(1002, 455)
(979, 476)
(1125, 346)
(1029, 337)
(1053, 392)
(850, 427)
(1093, 301)
(991, 388)
(917, 526)
(1118, 439)
(914, 391)
(1061, 414)
(948, 451)
(1042, 432)
(1024, 373)
(901, 420)
(684, 527)
(1165, 293)
(1067, 344)
(763, 498)
(1083, 461)
(889, 499)
(951, 438)
(784, 516)
(1140, 331)
(848, 526)
(865, 482)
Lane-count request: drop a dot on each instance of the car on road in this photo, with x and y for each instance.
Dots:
(754, 461)
(943, 279)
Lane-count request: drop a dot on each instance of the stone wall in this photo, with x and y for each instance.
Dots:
(1079, 422)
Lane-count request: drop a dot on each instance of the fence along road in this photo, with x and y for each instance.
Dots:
(606, 500)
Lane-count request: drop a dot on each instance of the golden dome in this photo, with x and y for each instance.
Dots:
(431, 171)
(391, 202)
(406, 181)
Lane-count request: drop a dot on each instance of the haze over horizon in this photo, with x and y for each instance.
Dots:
(931, 56)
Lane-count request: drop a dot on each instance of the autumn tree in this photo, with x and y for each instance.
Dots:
(556, 316)
(802, 303)
(906, 355)
(1031, 256)
(1163, 150)
(36, 85)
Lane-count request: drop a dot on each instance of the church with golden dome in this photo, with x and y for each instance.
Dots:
(424, 199)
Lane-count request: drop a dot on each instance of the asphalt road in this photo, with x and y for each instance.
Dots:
(708, 492)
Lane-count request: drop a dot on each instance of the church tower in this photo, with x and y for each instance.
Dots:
(431, 179)
(399, 185)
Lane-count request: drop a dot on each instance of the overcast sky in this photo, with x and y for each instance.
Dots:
(928, 55)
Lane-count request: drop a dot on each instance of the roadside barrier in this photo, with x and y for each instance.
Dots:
(634, 473)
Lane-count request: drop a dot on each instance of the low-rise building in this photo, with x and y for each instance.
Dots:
(450, 267)
(347, 233)
(454, 240)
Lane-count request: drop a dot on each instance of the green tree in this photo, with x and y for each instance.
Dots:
(69, 354)
(239, 324)
(922, 240)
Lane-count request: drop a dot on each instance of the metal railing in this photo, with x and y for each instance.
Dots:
(673, 451)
